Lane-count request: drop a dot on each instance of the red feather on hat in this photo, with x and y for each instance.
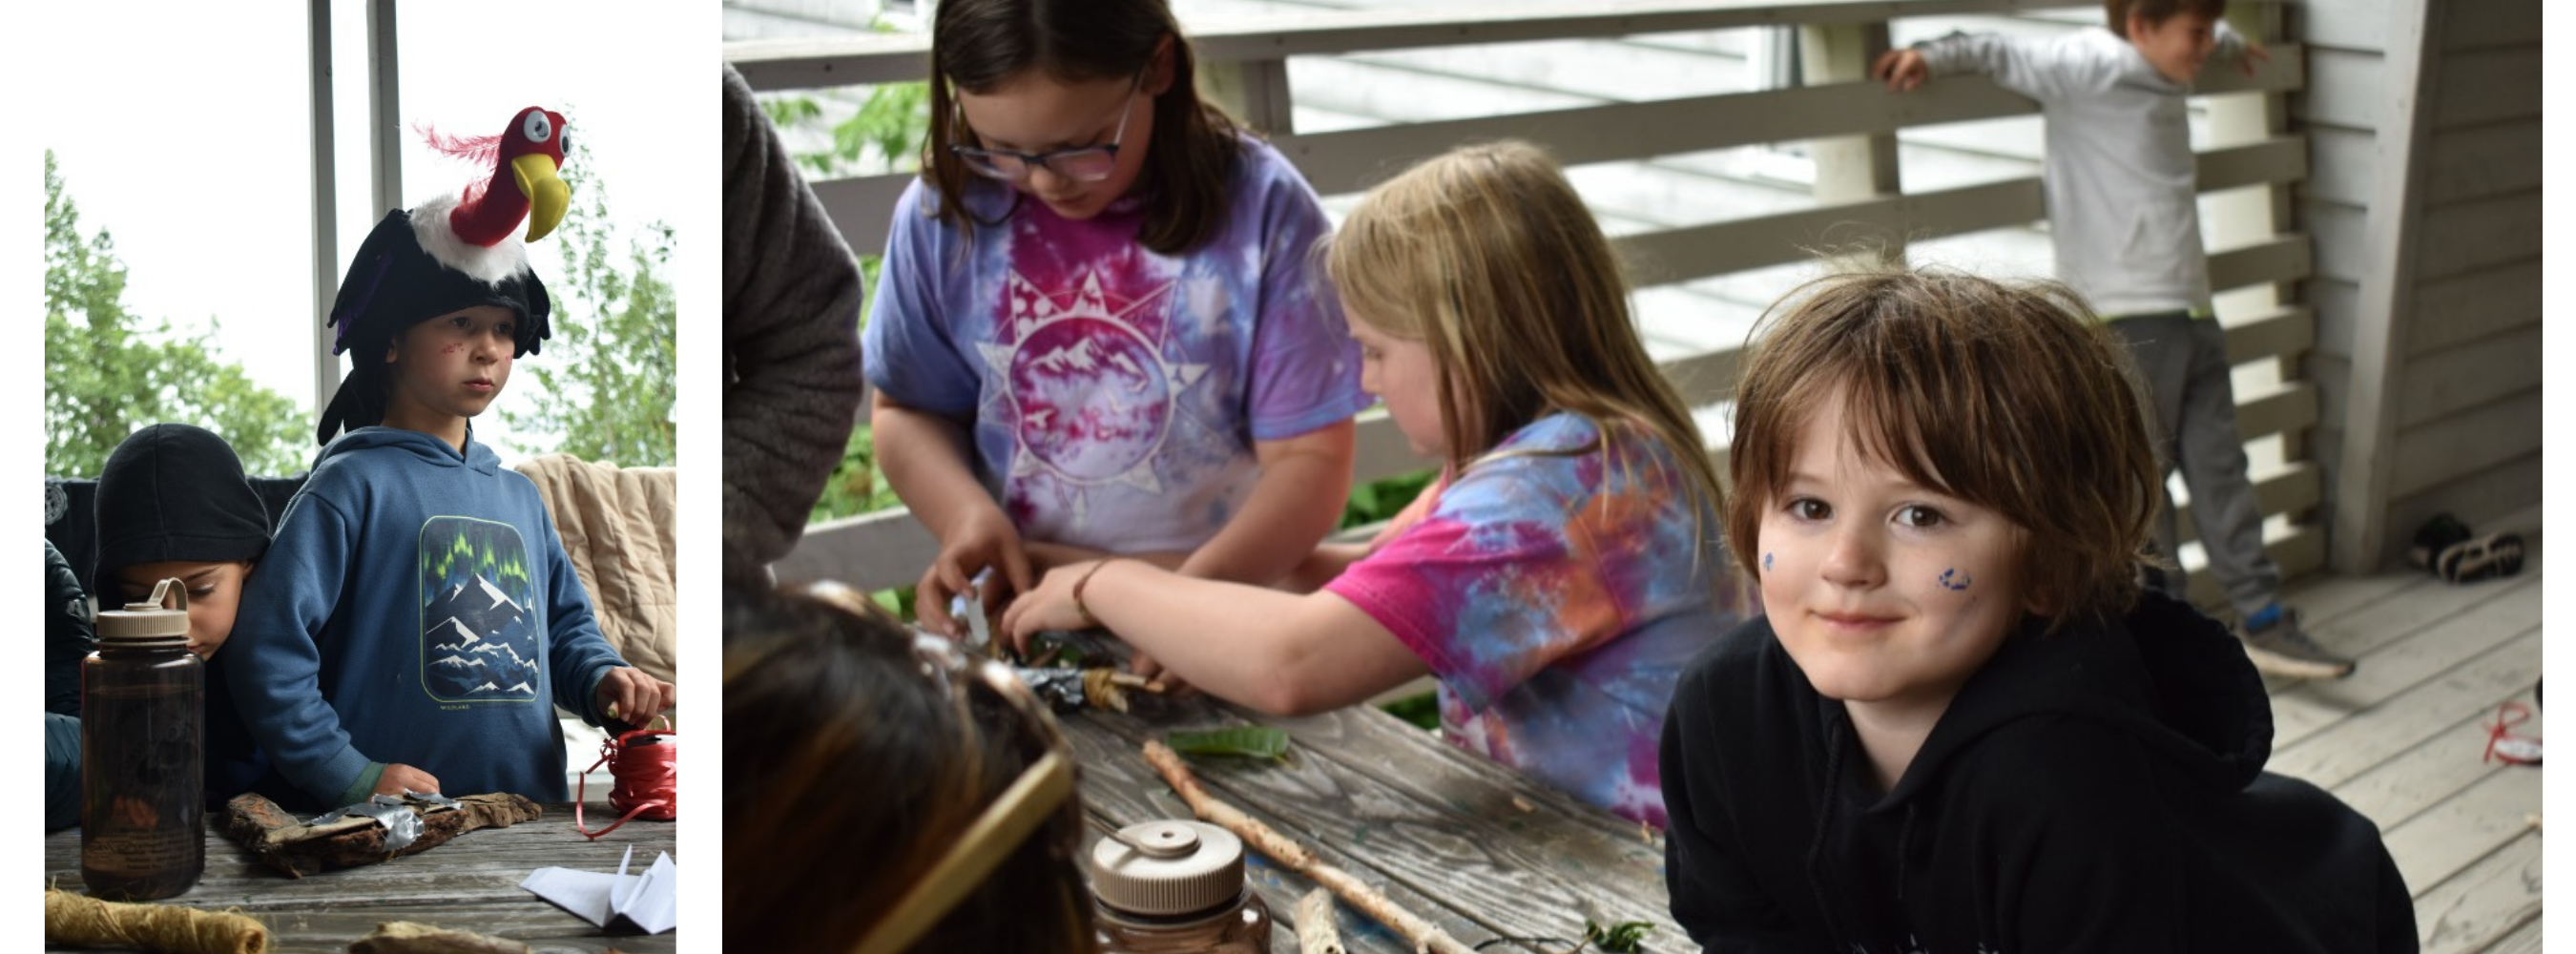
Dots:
(471, 231)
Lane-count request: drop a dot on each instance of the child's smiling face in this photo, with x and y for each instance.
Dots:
(214, 595)
(454, 364)
(1883, 591)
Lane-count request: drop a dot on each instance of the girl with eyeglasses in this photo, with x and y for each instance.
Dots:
(1098, 330)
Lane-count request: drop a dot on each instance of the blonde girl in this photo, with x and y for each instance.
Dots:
(1097, 330)
(1564, 567)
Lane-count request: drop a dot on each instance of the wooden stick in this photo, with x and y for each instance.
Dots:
(406, 937)
(1424, 935)
(1315, 933)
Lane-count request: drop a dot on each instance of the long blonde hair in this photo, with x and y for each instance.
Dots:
(1487, 256)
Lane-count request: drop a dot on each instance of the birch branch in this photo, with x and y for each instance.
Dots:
(1422, 934)
(1315, 933)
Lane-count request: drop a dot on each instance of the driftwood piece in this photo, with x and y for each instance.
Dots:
(1422, 934)
(405, 937)
(1315, 931)
(285, 843)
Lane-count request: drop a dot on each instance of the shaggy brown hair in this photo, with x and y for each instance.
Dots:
(2008, 396)
(2158, 11)
(980, 45)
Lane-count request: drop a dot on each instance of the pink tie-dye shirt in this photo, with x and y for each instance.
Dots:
(1556, 597)
(1116, 392)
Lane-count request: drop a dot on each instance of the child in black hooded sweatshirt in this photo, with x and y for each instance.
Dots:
(1960, 727)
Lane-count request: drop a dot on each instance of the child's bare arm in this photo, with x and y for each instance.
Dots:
(1304, 483)
(924, 457)
(1283, 653)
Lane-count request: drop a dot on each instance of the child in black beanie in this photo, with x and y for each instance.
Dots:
(173, 503)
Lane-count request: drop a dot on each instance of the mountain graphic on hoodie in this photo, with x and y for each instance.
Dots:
(478, 644)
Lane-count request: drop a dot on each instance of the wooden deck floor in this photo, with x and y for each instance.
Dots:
(2401, 741)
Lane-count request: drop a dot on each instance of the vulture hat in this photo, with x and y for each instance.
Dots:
(452, 252)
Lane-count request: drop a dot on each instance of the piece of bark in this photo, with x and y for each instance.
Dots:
(282, 842)
(1315, 933)
(407, 937)
(1422, 934)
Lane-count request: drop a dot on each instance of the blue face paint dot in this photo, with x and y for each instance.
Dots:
(1952, 579)
(1766, 563)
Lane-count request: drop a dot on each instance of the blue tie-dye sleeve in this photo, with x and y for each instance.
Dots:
(910, 349)
(1491, 587)
(1305, 365)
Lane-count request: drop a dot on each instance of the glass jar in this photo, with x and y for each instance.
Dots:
(143, 776)
(1176, 887)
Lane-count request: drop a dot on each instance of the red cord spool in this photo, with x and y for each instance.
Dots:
(646, 765)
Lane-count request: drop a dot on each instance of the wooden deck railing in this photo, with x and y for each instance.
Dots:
(1850, 122)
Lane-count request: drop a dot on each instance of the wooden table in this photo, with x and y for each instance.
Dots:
(1475, 848)
(470, 883)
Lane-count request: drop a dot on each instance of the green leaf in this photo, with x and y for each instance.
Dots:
(1251, 741)
(1621, 938)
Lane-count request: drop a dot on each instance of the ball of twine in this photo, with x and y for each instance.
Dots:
(175, 929)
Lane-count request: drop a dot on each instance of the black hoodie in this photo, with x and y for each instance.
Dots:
(2099, 789)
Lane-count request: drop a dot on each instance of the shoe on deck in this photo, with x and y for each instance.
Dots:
(2283, 649)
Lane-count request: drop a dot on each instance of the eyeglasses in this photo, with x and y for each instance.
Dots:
(1086, 164)
(1045, 786)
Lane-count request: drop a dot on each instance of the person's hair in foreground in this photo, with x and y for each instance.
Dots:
(858, 757)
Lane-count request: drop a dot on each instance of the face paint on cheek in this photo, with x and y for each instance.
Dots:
(1954, 580)
(1766, 563)
(451, 349)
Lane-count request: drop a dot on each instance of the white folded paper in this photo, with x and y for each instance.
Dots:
(647, 902)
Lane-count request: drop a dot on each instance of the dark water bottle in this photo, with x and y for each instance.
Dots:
(143, 775)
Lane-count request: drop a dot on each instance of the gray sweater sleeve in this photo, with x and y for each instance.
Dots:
(2047, 70)
(791, 313)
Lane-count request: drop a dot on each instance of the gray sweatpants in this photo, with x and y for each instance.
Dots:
(2184, 363)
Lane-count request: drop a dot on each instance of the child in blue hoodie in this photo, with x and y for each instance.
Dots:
(416, 621)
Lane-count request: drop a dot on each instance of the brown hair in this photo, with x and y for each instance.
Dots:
(2157, 11)
(1487, 256)
(2009, 396)
(850, 770)
(979, 45)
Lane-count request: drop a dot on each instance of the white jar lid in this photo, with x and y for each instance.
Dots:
(1165, 868)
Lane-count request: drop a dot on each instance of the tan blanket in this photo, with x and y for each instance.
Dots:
(619, 527)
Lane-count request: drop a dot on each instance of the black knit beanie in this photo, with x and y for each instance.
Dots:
(176, 492)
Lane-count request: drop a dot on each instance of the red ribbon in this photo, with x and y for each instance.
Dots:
(647, 774)
(2507, 716)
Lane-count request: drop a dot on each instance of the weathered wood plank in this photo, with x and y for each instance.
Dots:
(2464, 444)
(470, 882)
(2404, 691)
(2490, 23)
(2394, 658)
(2468, 236)
(2419, 779)
(2375, 624)
(1456, 835)
(2452, 835)
(1119, 789)
(2281, 259)
(2281, 409)
(2523, 940)
(2487, 499)
(2447, 382)
(2498, 895)
(2286, 331)
(2482, 161)
(2464, 308)
(2493, 84)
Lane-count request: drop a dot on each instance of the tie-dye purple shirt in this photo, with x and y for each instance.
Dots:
(1556, 598)
(1116, 392)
